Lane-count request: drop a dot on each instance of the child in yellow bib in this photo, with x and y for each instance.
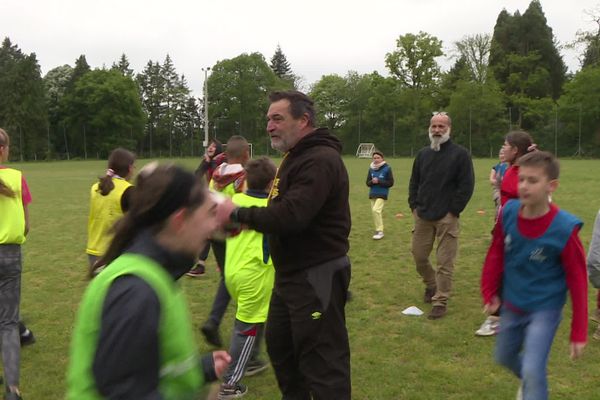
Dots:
(109, 198)
(14, 225)
(249, 279)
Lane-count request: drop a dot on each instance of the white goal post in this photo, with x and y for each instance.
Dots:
(365, 150)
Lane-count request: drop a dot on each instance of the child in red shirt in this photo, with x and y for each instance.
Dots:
(535, 256)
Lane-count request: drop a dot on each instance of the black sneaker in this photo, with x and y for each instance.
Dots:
(255, 367)
(27, 338)
(211, 333)
(232, 391)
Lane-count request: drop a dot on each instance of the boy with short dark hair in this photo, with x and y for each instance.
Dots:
(249, 278)
(535, 256)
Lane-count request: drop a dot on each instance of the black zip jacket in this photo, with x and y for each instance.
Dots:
(308, 216)
(441, 181)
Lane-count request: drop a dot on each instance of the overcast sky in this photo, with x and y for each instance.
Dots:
(317, 37)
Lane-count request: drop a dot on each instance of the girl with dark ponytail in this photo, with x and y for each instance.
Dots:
(133, 335)
(109, 199)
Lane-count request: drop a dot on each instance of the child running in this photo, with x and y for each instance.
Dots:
(133, 335)
(109, 199)
(593, 265)
(516, 144)
(379, 179)
(535, 256)
(228, 179)
(496, 175)
(14, 226)
(249, 278)
(212, 159)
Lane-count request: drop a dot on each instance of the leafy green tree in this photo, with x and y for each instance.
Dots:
(474, 51)
(589, 40)
(579, 112)
(329, 94)
(478, 118)
(56, 82)
(238, 97)
(413, 62)
(449, 81)
(105, 105)
(22, 102)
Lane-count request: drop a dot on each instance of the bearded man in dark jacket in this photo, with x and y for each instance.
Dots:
(307, 222)
(441, 184)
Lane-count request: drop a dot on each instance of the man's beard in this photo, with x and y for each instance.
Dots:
(437, 141)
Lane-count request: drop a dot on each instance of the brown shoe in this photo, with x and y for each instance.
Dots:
(429, 293)
(437, 312)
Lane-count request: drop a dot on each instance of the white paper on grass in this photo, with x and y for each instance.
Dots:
(412, 310)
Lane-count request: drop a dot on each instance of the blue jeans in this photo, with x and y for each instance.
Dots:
(523, 346)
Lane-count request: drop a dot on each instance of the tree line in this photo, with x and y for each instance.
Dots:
(512, 78)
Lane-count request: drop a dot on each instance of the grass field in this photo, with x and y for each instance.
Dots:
(393, 356)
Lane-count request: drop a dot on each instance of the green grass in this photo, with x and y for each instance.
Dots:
(393, 356)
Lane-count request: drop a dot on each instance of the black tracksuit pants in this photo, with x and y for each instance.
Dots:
(306, 334)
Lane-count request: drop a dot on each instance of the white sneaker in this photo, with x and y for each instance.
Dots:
(489, 327)
(378, 235)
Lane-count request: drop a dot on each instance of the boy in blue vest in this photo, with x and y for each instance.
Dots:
(535, 256)
(249, 278)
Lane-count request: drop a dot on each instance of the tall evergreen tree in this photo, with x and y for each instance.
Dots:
(151, 85)
(280, 64)
(123, 66)
(80, 69)
(22, 102)
(517, 42)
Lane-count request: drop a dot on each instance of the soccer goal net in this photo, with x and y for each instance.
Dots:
(365, 150)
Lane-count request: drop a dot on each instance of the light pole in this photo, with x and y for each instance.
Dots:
(205, 143)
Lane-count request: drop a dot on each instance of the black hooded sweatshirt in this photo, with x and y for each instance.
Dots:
(308, 216)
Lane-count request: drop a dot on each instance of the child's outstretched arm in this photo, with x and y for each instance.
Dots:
(493, 268)
(573, 260)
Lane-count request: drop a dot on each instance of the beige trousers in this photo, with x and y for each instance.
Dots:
(446, 231)
(376, 210)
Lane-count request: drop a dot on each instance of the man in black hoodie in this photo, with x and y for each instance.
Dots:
(441, 185)
(308, 223)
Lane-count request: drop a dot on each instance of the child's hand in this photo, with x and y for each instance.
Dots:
(492, 306)
(576, 350)
(375, 180)
(221, 359)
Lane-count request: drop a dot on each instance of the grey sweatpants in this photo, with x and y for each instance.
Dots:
(10, 296)
(245, 346)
